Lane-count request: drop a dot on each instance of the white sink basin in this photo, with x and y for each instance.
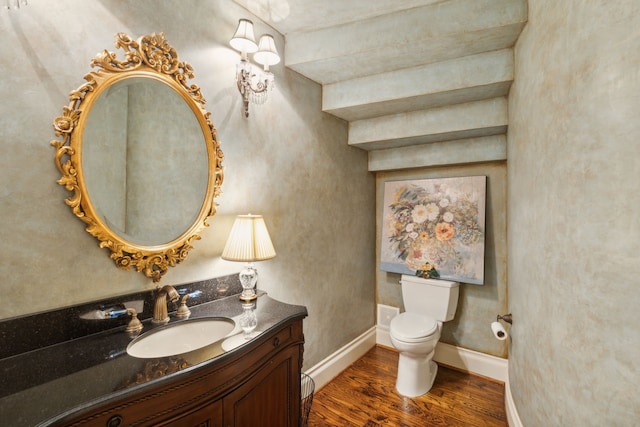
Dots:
(181, 337)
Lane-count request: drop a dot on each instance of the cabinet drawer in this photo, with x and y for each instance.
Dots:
(275, 342)
(207, 416)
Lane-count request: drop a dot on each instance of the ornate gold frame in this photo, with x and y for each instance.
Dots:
(150, 56)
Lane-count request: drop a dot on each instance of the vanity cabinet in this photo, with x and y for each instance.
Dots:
(256, 385)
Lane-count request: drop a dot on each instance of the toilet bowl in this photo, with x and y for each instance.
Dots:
(416, 332)
(415, 337)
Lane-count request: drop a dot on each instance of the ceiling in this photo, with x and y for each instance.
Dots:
(404, 73)
(289, 16)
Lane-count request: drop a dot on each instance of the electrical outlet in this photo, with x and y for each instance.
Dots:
(386, 313)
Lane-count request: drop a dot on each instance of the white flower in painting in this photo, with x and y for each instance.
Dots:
(413, 235)
(444, 203)
(409, 228)
(432, 211)
(448, 216)
(419, 213)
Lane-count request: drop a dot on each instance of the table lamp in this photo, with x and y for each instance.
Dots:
(248, 241)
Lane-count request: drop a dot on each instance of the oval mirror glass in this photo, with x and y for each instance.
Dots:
(144, 161)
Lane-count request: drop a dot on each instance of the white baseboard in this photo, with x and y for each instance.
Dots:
(446, 354)
(330, 367)
(383, 337)
(475, 362)
(460, 358)
(513, 419)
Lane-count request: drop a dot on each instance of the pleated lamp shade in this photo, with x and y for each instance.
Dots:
(249, 240)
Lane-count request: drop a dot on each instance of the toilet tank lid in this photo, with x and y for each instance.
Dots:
(412, 326)
(432, 282)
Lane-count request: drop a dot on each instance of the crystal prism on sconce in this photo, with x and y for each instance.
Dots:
(254, 83)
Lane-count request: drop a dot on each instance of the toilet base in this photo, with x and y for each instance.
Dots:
(415, 374)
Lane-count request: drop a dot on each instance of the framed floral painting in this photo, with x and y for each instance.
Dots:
(435, 228)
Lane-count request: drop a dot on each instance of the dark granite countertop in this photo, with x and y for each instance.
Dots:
(41, 384)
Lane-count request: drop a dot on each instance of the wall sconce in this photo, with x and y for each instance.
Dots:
(254, 84)
(248, 241)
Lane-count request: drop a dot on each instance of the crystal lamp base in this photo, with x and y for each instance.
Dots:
(248, 278)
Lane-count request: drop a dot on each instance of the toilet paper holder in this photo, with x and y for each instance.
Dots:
(505, 317)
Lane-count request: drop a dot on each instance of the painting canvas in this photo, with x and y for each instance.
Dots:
(435, 228)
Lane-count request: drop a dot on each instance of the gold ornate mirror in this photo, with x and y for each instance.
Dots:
(140, 155)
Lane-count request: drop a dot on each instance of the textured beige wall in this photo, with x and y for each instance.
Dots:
(574, 222)
(477, 305)
(288, 161)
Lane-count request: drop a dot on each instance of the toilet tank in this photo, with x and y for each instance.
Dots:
(431, 297)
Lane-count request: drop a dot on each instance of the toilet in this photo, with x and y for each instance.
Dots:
(428, 303)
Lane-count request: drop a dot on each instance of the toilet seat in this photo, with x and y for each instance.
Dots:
(412, 327)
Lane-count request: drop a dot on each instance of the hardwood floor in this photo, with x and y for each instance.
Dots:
(365, 395)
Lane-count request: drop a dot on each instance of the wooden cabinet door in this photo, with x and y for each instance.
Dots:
(269, 398)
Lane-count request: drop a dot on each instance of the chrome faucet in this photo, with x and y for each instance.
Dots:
(160, 312)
